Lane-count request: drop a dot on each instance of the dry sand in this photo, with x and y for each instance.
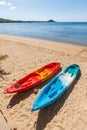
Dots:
(3, 122)
(26, 55)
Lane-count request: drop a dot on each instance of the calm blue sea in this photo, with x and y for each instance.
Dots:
(72, 32)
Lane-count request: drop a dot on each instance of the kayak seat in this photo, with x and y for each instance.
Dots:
(43, 74)
(53, 93)
(51, 87)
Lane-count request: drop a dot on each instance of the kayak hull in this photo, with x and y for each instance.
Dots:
(35, 78)
(56, 87)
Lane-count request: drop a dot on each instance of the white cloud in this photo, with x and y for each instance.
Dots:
(2, 2)
(9, 4)
(12, 7)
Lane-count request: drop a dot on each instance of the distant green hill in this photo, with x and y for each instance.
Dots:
(11, 21)
(19, 21)
(51, 20)
(5, 20)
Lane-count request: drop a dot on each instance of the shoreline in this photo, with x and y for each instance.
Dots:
(24, 55)
(32, 38)
(44, 43)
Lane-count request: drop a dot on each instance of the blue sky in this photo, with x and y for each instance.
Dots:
(59, 10)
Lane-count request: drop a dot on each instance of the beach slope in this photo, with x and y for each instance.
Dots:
(25, 55)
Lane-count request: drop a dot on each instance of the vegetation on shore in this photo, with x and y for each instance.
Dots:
(2, 72)
(2, 57)
(5, 20)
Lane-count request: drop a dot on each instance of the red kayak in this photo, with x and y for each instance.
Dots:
(35, 78)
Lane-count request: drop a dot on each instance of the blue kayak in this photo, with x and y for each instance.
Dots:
(56, 87)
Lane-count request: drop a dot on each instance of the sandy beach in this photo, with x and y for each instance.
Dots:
(25, 55)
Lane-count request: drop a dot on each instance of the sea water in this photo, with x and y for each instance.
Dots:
(71, 32)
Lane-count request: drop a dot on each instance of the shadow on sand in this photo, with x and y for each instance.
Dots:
(46, 115)
(25, 94)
